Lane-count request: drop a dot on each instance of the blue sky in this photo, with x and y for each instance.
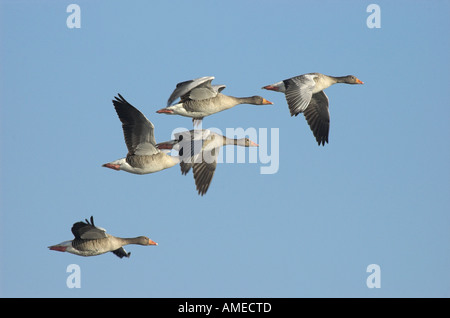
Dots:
(378, 193)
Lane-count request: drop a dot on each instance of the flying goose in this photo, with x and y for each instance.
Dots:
(91, 240)
(304, 94)
(143, 156)
(199, 149)
(198, 99)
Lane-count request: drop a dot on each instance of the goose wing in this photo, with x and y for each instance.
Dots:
(299, 92)
(87, 230)
(137, 129)
(196, 89)
(317, 115)
(204, 170)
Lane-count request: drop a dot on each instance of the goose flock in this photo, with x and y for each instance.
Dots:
(198, 148)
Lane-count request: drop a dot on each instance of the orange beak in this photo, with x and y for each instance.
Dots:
(150, 242)
(266, 102)
(165, 145)
(164, 110)
(111, 166)
(58, 248)
(271, 88)
(359, 81)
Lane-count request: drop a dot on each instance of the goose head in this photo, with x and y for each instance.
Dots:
(116, 165)
(258, 100)
(244, 142)
(144, 240)
(350, 79)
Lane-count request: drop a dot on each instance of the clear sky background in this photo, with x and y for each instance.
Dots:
(378, 193)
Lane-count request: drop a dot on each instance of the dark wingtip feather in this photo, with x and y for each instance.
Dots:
(91, 222)
(119, 99)
(322, 140)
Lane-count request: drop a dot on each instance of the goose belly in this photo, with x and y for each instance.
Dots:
(89, 247)
(149, 164)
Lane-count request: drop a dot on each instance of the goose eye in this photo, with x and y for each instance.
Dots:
(180, 138)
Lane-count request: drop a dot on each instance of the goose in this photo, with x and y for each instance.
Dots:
(91, 240)
(198, 99)
(304, 94)
(199, 149)
(143, 156)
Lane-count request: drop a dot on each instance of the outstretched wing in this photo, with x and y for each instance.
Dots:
(204, 171)
(318, 117)
(137, 129)
(87, 230)
(196, 89)
(299, 92)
